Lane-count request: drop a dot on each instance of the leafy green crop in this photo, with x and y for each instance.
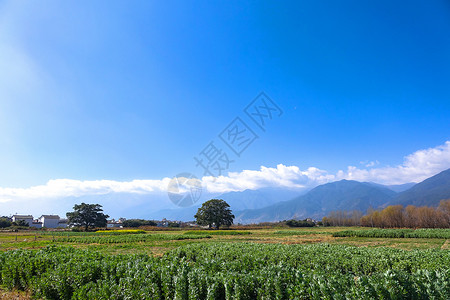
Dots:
(133, 238)
(297, 232)
(231, 271)
(217, 232)
(396, 233)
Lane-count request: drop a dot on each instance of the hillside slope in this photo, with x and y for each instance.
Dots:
(340, 195)
(429, 192)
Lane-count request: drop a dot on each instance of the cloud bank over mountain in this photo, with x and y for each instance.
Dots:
(415, 168)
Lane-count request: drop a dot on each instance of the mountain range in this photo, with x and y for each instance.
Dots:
(351, 195)
(276, 204)
(427, 193)
(339, 195)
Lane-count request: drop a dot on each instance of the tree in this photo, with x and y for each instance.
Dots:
(300, 223)
(444, 207)
(4, 222)
(20, 223)
(137, 223)
(214, 212)
(392, 216)
(87, 215)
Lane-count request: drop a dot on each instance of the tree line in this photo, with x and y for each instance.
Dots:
(394, 216)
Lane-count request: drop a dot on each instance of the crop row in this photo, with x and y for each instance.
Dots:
(217, 232)
(133, 238)
(96, 233)
(396, 233)
(297, 232)
(231, 271)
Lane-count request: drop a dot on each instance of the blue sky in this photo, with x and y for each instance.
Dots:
(114, 90)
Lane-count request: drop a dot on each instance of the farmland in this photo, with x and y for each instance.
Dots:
(279, 263)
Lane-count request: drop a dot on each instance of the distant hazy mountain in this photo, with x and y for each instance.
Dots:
(248, 199)
(176, 214)
(275, 204)
(254, 199)
(398, 188)
(340, 195)
(401, 187)
(429, 192)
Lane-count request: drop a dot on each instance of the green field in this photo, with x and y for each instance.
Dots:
(281, 263)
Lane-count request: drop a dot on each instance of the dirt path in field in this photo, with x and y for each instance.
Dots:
(445, 245)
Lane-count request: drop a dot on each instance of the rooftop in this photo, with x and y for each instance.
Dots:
(50, 216)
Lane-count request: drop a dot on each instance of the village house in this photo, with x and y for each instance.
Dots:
(115, 224)
(49, 221)
(27, 218)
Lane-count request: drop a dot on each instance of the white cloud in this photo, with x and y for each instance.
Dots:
(415, 168)
(60, 188)
(281, 176)
(370, 164)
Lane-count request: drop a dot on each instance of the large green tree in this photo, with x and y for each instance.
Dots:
(215, 212)
(87, 215)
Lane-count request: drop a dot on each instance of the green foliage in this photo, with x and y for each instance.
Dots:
(174, 225)
(97, 233)
(297, 232)
(87, 215)
(215, 212)
(396, 233)
(300, 223)
(138, 222)
(5, 222)
(231, 271)
(121, 231)
(128, 238)
(20, 223)
(217, 232)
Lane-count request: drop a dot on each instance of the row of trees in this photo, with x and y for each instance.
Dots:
(138, 223)
(213, 213)
(394, 216)
(343, 218)
(300, 223)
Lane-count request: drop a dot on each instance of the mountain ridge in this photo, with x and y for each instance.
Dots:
(338, 195)
(426, 193)
(250, 206)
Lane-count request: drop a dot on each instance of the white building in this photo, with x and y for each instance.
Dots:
(115, 224)
(49, 221)
(27, 218)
